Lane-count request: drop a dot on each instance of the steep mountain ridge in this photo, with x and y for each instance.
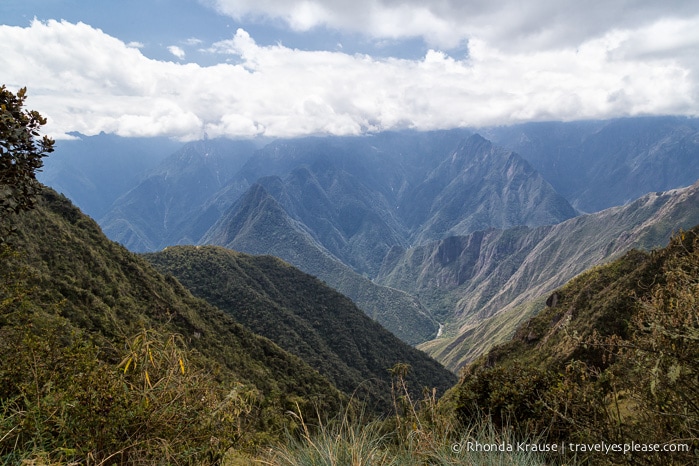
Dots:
(611, 358)
(377, 191)
(304, 317)
(102, 355)
(345, 217)
(355, 204)
(330, 211)
(481, 186)
(473, 185)
(257, 224)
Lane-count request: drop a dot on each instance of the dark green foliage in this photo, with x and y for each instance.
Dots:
(304, 317)
(60, 398)
(91, 333)
(613, 358)
(20, 155)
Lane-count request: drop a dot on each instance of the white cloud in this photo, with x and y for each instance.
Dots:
(85, 80)
(505, 24)
(193, 41)
(177, 52)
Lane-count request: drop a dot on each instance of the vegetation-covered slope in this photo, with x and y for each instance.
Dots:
(613, 358)
(102, 355)
(303, 316)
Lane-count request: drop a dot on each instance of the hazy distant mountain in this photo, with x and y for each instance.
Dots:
(601, 164)
(485, 283)
(257, 224)
(93, 171)
(304, 317)
(480, 186)
(593, 164)
(346, 202)
(358, 197)
(157, 212)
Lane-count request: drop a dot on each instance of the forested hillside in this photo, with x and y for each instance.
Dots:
(103, 357)
(257, 224)
(305, 317)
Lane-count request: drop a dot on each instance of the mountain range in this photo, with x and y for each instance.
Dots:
(157, 211)
(438, 234)
(102, 355)
(257, 224)
(112, 342)
(611, 357)
(332, 196)
(96, 170)
(565, 330)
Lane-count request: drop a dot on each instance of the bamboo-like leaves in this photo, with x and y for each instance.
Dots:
(153, 358)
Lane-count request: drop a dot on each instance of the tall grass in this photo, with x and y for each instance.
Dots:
(418, 434)
(345, 442)
(337, 442)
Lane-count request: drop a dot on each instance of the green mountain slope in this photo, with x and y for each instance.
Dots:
(304, 317)
(68, 289)
(612, 358)
(483, 285)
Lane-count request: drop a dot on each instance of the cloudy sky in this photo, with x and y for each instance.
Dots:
(281, 68)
